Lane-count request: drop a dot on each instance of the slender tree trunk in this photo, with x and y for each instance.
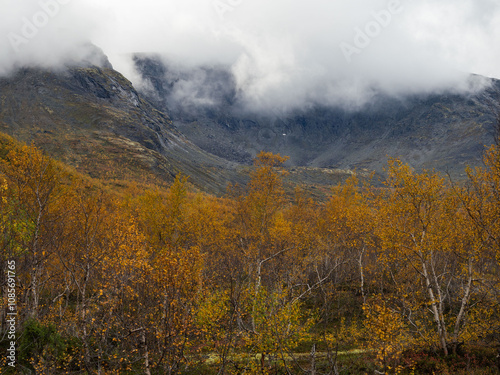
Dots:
(146, 352)
(83, 315)
(440, 300)
(313, 360)
(463, 307)
(36, 266)
(99, 368)
(34, 290)
(435, 311)
(258, 280)
(362, 274)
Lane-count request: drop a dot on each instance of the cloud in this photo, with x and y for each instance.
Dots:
(46, 33)
(282, 53)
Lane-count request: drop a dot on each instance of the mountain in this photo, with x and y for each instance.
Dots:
(445, 131)
(192, 121)
(92, 118)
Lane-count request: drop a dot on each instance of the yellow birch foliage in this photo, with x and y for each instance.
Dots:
(280, 326)
(386, 334)
(215, 319)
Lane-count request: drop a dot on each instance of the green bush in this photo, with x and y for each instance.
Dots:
(42, 343)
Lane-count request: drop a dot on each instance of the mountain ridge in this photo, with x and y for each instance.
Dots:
(191, 122)
(444, 131)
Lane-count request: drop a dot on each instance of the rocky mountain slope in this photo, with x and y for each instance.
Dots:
(444, 131)
(93, 119)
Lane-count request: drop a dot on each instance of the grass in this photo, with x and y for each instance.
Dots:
(477, 361)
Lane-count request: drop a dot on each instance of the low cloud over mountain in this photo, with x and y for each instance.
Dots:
(282, 54)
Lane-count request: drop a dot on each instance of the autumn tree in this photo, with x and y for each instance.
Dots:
(36, 188)
(87, 248)
(346, 225)
(272, 252)
(175, 278)
(387, 334)
(432, 259)
(258, 213)
(480, 198)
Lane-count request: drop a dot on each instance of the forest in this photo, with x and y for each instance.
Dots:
(119, 277)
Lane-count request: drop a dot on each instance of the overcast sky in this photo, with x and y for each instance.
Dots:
(284, 52)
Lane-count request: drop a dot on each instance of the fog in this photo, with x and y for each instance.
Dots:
(282, 54)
